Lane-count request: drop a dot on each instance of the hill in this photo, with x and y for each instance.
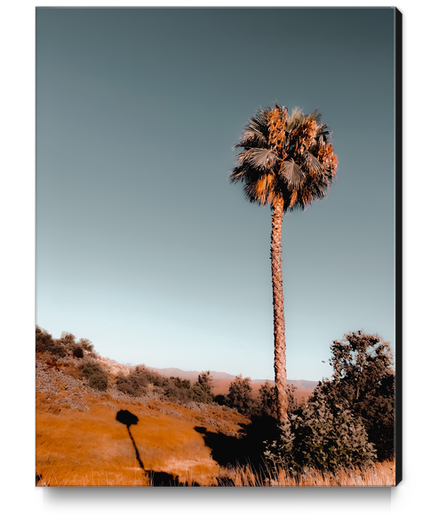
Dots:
(101, 436)
(80, 442)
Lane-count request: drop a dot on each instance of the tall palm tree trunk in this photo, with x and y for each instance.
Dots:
(278, 306)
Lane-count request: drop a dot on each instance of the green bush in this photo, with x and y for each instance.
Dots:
(323, 438)
(201, 391)
(364, 378)
(239, 396)
(96, 376)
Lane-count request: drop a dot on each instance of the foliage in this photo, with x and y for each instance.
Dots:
(77, 351)
(46, 343)
(285, 157)
(178, 390)
(67, 339)
(239, 396)
(64, 346)
(96, 376)
(364, 378)
(86, 344)
(266, 403)
(136, 382)
(321, 437)
(202, 389)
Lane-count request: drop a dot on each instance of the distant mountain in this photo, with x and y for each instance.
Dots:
(192, 375)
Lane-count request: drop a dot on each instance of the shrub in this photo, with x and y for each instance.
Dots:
(96, 376)
(67, 339)
(132, 384)
(86, 344)
(239, 396)
(364, 377)
(201, 391)
(58, 350)
(77, 351)
(44, 340)
(266, 403)
(322, 438)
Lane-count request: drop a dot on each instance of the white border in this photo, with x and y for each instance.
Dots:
(17, 33)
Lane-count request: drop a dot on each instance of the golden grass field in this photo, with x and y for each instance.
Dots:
(79, 442)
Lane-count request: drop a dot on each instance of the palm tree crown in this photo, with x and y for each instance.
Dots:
(286, 158)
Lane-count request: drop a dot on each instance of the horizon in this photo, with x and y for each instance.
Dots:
(143, 246)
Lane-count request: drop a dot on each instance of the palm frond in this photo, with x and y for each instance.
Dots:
(237, 174)
(262, 158)
(300, 143)
(312, 163)
(255, 133)
(292, 173)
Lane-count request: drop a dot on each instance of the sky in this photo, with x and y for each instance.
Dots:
(142, 244)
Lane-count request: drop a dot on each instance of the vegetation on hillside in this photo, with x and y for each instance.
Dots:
(346, 425)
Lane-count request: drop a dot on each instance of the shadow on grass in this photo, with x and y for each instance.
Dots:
(245, 450)
(157, 478)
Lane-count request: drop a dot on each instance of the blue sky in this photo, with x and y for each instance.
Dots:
(144, 247)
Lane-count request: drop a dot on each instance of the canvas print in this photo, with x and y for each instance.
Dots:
(218, 247)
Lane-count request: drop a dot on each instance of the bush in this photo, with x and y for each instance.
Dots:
(67, 339)
(77, 351)
(364, 378)
(239, 396)
(96, 376)
(201, 391)
(86, 344)
(58, 350)
(323, 438)
(62, 347)
(44, 340)
(133, 384)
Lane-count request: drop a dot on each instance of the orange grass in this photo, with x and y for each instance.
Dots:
(91, 448)
(380, 474)
(79, 442)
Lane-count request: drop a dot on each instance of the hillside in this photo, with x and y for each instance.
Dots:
(92, 431)
(79, 441)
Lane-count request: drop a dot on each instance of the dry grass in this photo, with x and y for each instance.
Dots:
(91, 448)
(380, 474)
(79, 442)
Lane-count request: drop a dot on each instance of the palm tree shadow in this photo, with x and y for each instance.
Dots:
(157, 478)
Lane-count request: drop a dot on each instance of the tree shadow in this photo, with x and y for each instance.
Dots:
(157, 478)
(246, 449)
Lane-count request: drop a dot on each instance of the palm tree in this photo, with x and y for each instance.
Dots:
(287, 161)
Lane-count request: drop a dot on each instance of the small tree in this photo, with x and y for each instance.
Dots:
(267, 400)
(239, 396)
(202, 389)
(365, 379)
